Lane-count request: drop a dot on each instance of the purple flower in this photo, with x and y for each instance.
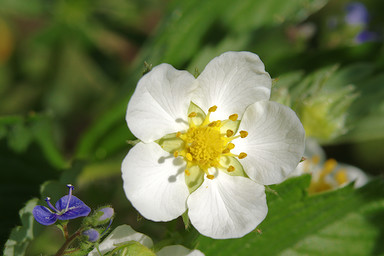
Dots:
(93, 235)
(107, 213)
(366, 36)
(68, 207)
(356, 14)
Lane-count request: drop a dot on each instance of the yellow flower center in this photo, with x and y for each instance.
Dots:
(204, 145)
(206, 142)
(320, 184)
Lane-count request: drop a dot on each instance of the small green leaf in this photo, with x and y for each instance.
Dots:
(22, 235)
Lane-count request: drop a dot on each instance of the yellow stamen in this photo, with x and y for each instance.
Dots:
(211, 177)
(187, 172)
(242, 155)
(189, 157)
(176, 153)
(192, 114)
(226, 151)
(229, 133)
(243, 134)
(329, 166)
(178, 134)
(231, 168)
(233, 117)
(341, 176)
(215, 124)
(212, 109)
(230, 146)
(315, 159)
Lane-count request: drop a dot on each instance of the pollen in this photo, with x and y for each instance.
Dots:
(230, 146)
(205, 144)
(229, 133)
(243, 134)
(341, 176)
(231, 168)
(242, 155)
(212, 109)
(233, 117)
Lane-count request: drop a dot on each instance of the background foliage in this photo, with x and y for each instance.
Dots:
(69, 67)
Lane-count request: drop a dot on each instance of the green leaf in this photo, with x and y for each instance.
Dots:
(22, 235)
(22, 132)
(341, 222)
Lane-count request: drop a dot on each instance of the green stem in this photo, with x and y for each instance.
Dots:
(68, 242)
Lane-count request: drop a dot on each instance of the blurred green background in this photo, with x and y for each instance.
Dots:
(69, 67)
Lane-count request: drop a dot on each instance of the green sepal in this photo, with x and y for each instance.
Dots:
(195, 179)
(230, 125)
(185, 218)
(93, 219)
(199, 118)
(170, 142)
(226, 161)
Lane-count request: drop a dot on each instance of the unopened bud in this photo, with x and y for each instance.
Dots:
(107, 213)
(92, 234)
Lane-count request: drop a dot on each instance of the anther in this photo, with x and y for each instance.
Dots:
(192, 114)
(230, 146)
(226, 151)
(234, 117)
(341, 176)
(178, 134)
(212, 109)
(212, 124)
(229, 133)
(176, 153)
(243, 134)
(329, 166)
(242, 155)
(231, 168)
(315, 159)
(187, 172)
(189, 157)
(211, 177)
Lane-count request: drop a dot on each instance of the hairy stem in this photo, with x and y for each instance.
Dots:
(68, 242)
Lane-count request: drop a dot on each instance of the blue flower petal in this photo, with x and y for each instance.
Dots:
(76, 208)
(43, 215)
(93, 235)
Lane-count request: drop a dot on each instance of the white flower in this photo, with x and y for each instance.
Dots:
(124, 234)
(327, 174)
(209, 145)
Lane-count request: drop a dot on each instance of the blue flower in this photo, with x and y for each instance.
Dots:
(68, 207)
(356, 14)
(93, 235)
(367, 36)
(107, 213)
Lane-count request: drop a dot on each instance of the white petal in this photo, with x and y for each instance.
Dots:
(178, 250)
(232, 81)
(275, 142)
(154, 182)
(353, 174)
(227, 206)
(159, 105)
(121, 234)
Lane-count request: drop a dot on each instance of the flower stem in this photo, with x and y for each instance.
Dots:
(65, 231)
(68, 242)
